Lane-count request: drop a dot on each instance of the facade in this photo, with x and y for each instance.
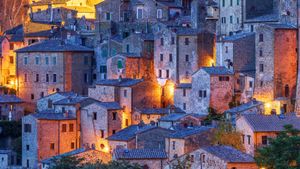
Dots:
(46, 103)
(52, 66)
(255, 134)
(182, 96)
(8, 159)
(11, 108)
(47, 134)
(180, 119)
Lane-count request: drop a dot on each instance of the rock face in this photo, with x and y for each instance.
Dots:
(14, 12)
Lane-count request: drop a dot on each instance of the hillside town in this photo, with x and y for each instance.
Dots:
(151, 84)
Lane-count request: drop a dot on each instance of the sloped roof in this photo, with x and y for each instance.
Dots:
(161, 111)
(229, 154)
(10, 99)
(52, 116)
(129, 132)
(181, 133)
(110, 105)
(217, 70)
(54, 46)
(239, 36)
(244, 107)
(125, 154)
(271, 123)
(120, 82)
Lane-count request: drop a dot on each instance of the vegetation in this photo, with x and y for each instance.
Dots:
(234, 102)
(283, 152)
(77, 163)
(213, 115)
(183, 164)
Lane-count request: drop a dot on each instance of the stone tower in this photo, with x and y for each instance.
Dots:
(297, 104)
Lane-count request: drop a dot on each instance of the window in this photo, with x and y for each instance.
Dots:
(54, 60)
(161, 57)
(249, 139)
(264, 140)
(243, 139)
(173, 145)
(261, 67)
(107, 16)
(27, 128)
(103, 69)
(42, 94)
(237, 20)
(231, 19)
(37, 60)
(54, 78)
(187, 58)
(261, 83)
(114, 132)
(224, 78)
(125, 93)
(47, 77)
(71, 127)
(11, 60)
(159, 13)
(192, 158)
(260, 53)
(139, 13)
(286, 90)
(250, 84)
(72, 145)
(127, 48)
(167, 74)
(184, 92)
(114, 116)
(25, 60)
(52, 146)
(50, 104)
(261, 37)
(184, 106)
(162, 41)
(94, 115)
(64, 128)
(27, 163)
(32, 96)
(86, 60)
(203, 158)
(237, 2)
(172, 40)
(170, 58)
(11, 46)
(102, 133)
(159, 73)
(223, 3)
(86, 78)
(47, 60)
(202, 93)
(37, 77)
(25, 77)
(226, 49)
(126, 122)
(223, 19)
(251, 28)
(187, 41)
(27, 147)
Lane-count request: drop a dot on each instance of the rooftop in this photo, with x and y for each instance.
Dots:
(120, 82)
(54, 46)
(239, 36)
(244, 107)
(217, 70)
(161, 111)
(52, 116)
(182, 133)
(139, 154)
(10, 99)
(271, 123)
(229, 154)
(110, 105)
(184, 85)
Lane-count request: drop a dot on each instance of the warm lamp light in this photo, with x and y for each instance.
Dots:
(268, 105)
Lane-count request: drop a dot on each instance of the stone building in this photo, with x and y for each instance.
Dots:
(105, 118)
(276, 66)
(180, 119)
(47, 134)
(11, 108)
(8, 159)
(46, 103)
(212, 87)
(255, 133)
(182, 95)
(146, 158)
(223, 157)
(186, 140)
(51, 66)
(129, 93)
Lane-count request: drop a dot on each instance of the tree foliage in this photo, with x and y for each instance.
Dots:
(213, 115)
(183, 164)
(283, 152)
(227, 135)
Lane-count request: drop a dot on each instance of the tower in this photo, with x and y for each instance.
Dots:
(297, 103)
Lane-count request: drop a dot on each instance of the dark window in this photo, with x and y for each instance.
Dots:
(47, 77)
(223, 78)
(162, 41)
(11, 46)
(102, 133)
(167, 74)
(231, 3)
(94, 115)
(11, 60)
(231, 19)
(286, 90)
(187, 58)
(107, 16)
(202, 93)
(32, 96)
(27, 163)
(54, 78)
(184, 92)
(260, 53)
(251, 28)
(223, 3)
(25, 77)
(27, 147)
(161, 57)
(37, 77)
(170, 57)
(184, 106)
(86, 78)
(114, 115)
(126, 122)
(250, 84)
(42, 94)
(172, 41)
(249, 139)
(27, 128)
(114, 131)
(86, 60)
(103, 69)
(71, 127)
(264, 140)
(127, 48)
(261, 37)
(125, 93)
(64, 128)
(187, 41)
(52, 146)
(261, 67)
(72, 145)
(159, 73)
(173, 145)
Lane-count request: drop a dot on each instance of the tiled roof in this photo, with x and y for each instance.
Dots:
(244, 107)
(72, 100)
(147, 36)
(184, 85)
(172, 117)
(263, 18)
(271, 123)
(239, 36)
(187, 31)
(54, 46)
(71, 153)
(125, 154)
(217, 70)
(110, 105)
(45, 33)
(117, 38)
(161, 111)
(52, 116)
(120, 82)
(229, 154)
(282, 26)
(65, 94)
(14, 30)
(10, 99)
(129, 132)
(181, 133)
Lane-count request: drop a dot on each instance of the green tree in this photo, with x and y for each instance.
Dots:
(283, 152)
(183, 164)
(213, 115)
(67, 162)
(227, 135)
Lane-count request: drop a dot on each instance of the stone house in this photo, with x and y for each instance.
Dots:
(8, 159)
(129, 93)
(275, 82)
(146, 158)
(231, 17)
(182, 96)
(46, 103)
(255, 132)
(11, 108)
(212, 87)
(186, 140)
(180, 119)
(47, 134)
(140, 137)
(223, 157)
(89, 156)
(252, 107)
(100, 120)
(152, 115)
(50, 66)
